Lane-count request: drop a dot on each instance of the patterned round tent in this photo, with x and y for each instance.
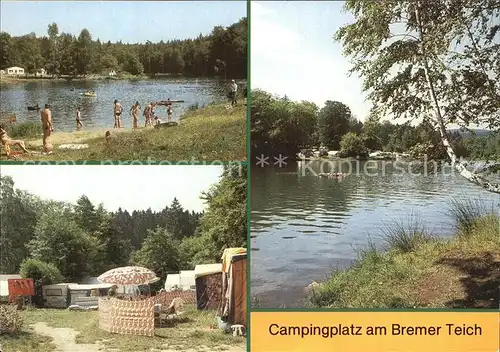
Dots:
(128, 275)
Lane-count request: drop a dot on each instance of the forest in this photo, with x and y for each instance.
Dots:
(54, 241)
(222, 52)
(285, 127)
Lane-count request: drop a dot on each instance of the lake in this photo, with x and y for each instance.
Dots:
(303, 226)
(97, 112)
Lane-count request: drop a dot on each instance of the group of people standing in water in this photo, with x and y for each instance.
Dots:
(150, 119)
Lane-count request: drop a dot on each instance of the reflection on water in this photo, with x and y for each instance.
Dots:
(303, 226)
(64, 97)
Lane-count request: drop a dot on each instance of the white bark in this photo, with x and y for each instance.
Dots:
(455, 162)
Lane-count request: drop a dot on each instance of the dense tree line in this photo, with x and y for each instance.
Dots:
(222, 52)
(63, 241)
(282, 126)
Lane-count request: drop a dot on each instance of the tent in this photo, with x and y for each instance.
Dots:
(234, 286)
(172, 282)
(184, 281)
(208, 280)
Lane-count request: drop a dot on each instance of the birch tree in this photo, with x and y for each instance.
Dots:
(433, 60)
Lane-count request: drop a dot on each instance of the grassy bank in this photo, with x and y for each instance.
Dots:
(418, 270)
(216, 132)
(188, 332)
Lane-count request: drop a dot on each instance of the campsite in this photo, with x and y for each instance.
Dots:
(127, 281)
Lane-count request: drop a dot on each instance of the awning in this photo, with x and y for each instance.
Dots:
(207, 269)
(228, 255)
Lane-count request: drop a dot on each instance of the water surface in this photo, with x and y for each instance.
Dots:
(303, 226)
(64, 97)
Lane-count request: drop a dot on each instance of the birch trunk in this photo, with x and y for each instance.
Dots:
(455, 162)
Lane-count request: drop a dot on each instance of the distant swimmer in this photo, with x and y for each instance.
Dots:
(117, 112)
(134, 110)
(47, 126)
(8, 142)
(79, 123)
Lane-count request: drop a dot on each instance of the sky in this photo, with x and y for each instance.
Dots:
(293, 53)
(128, 21)
(131, 187)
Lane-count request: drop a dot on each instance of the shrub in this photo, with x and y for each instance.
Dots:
(24, 130)
(465, 212)
(405, 237)
(10, 320)
(42, 273)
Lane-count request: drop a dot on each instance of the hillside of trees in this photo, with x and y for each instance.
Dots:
(283, 126)
(222, 52)
(69, 242)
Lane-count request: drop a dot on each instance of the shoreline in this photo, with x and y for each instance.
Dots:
(420, 271)
(7, 80)
(196, 137)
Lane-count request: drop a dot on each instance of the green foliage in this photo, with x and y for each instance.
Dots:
(483, 147)
(406, 237)
(465, 212)
(19, 213)
(42, 273)
(280, 125)
(160, 253)
(352, 145)
(65, 54)
(274, 129)
(422, 52)
(224, 223)
(24, 129)
(334, 121)
(59, 240)
(53, 241)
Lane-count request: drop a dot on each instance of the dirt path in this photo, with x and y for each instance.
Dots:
(64, 339)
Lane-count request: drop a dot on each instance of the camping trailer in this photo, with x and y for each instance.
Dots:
(68, 294)
(208, 279)
(234, 286)
(55, 296)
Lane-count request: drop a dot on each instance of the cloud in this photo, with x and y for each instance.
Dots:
(284, 61)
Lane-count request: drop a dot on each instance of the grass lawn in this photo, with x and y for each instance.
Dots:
(26, 341)
(189, 332)
(216, 132)
(419, 271)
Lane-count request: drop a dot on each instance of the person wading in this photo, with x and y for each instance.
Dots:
(79, 123)
(147, 114)
(47, 126)
(134, 110)
(233, 91)
(118, 111)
